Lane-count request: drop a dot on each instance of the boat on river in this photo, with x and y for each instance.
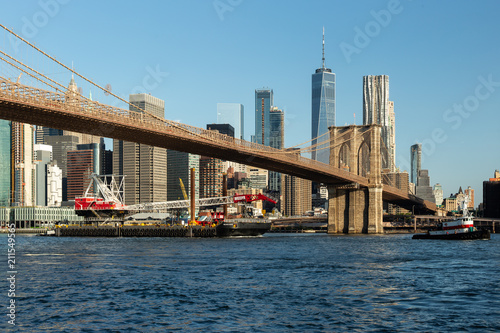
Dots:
(243, 227)
(459, 229)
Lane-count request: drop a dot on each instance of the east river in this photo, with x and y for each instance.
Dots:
(274, 283)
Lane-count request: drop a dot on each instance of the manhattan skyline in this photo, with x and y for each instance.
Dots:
(441, 58)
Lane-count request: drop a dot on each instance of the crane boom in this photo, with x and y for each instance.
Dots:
(155, 206)
(184, 194)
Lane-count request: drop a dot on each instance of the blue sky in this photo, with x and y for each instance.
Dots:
(441, 58)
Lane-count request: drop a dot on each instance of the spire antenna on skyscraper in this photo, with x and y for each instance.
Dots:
(323, 48)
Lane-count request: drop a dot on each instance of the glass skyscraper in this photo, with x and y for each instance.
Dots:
(5, 167)
(377, 109)
(416, 162)
(323, 109)
(263, 101)
(276, 140)
(233, 114)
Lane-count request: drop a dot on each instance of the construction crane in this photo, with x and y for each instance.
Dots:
(107, 200)
(184, 194)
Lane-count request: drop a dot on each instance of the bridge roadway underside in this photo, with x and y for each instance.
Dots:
(110, 128)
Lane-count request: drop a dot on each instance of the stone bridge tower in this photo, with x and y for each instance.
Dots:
(351, 208)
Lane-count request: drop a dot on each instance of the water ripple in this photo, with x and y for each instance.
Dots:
(275, 283)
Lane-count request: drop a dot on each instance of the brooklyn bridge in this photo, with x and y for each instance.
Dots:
(354, 176)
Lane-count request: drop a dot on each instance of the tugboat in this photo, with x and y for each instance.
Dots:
(459, 229)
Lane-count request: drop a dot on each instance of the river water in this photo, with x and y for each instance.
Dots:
(274, 283)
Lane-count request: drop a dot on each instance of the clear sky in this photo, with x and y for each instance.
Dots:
(442, 58)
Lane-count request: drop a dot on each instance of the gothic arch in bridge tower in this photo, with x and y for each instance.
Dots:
(345, 157)
(364, 159)
(355, 209)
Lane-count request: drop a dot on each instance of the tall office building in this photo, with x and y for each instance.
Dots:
(86, 160)
(264, 100)
(61, 144)
(226, 129)
(179, 166)
(43, 157)
(144, 166)
(438, 194)
(392, 137)
(416, 162)
(470, 193)
(423, 189)
(23, 181)
(80, 167)
(211, 170)
(54, 185)
(233, 114)
(296, 195)
(377, 109)
(5, 165)
(399, 180)
(491, 196)
(322, 109)
(42, 132)
(276, 140)
(259, 178)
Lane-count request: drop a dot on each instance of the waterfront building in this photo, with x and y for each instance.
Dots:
(179, 167)
(23, 182)
(276, 140)
(450, 204)
(416, 162)
(233, 114)
(322, 109)
(264, 100)
(491, 196)
(30, 217)
(43, 156)
(144, 166)
(438, 194)
(377, 109)
(423, 189)
(455, 201)
(5, 163)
